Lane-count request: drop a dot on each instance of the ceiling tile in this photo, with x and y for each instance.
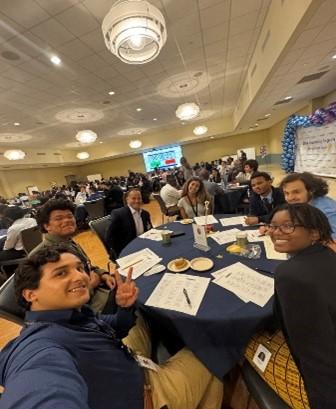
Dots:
(214, 15)
(52, 32)
(76, 50)
(94, 40)
(243, 23)
(56, 6)
(98, 8)
(85, 22)
(8, 28)
(29, 15)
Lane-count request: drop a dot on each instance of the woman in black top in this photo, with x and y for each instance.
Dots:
(305, 302)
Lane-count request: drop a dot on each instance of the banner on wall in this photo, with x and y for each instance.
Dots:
(316, 150)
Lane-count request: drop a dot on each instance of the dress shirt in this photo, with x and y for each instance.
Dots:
(327, 205)
(13, 240)
(170, 195)
(137, 220)
(80, 198)
(73, 360)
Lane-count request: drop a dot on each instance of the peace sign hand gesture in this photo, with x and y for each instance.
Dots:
(127, 292)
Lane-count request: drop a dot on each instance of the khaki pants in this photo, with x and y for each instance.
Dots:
(182, 382)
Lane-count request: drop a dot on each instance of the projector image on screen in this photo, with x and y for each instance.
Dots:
(162, 158)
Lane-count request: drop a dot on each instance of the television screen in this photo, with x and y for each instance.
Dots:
(162, 158)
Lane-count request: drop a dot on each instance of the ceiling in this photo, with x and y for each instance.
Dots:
(209, 58)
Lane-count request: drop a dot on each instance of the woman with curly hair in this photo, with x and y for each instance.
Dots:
(193, 198)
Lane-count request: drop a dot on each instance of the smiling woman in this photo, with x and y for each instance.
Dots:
(305, 305)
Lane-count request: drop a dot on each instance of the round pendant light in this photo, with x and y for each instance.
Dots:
(200, 130)
(86, 136)
(82, 155)
(14, 154)
(188, 111)
(134, 31)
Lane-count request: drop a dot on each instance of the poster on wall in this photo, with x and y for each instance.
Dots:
(316, 150)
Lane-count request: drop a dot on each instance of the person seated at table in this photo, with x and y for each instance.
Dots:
(305, 304)
(128, 222)
(212, 188)
(81, 196)
(308, 188)
(169, 192)
(56, 220)
(193, 198)
(263, 199)
(5, 222)
(94, 194)
(114, 197)
(67, 357)
(249, 168)
(13, 247)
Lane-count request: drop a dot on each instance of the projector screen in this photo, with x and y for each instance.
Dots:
(162, 158)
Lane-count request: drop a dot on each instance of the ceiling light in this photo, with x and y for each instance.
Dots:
(256, 124)
(139, 109)
(16, 124)
(154, 119)
(212, 137)
(86, 136)
(55, 60)
(82, 155)
(334, 57)
(111, 93)
(100, 142)
(188, 111)
(288, 98)
(200, 130)
(14, 154)
(267, 115)
(134, 31)
(135, 144)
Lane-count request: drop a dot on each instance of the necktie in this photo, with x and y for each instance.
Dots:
(267, 204)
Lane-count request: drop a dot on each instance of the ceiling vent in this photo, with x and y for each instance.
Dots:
(312, 77)
(262, 119)
(41, 153)
(57, 154)
(283, 101)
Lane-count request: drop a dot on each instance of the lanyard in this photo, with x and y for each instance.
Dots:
(192, 206)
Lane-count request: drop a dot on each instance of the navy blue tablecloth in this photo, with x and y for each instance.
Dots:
(224, 323)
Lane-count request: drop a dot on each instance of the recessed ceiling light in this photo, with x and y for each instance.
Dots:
(16, 124)
(154, 119)
(334, 57)
(182, 123)
(251, 128)
(139, 109)
(55, 60)
(82, 155)
(100, 142)
(200, 130)
(288, 98)
(256, 124)
(111, 93)
(267, 115)
(212, 137)
(135, 144)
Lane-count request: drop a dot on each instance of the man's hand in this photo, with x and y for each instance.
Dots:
(94, 279)
(251, 220)
(108, 280)
(127, 291)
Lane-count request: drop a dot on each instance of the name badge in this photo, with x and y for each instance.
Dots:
(261, 357)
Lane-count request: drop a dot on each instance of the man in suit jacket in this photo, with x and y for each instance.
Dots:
(127, 222)
(264, 198)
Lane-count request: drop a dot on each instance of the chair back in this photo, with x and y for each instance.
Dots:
(162, 204)
(9, 308)
(100, 226)
(31, 238)
(95, 209)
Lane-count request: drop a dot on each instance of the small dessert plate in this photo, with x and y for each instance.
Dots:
(171, 266)
(186, 221)
(201, 264)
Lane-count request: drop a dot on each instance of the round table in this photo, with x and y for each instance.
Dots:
(219, 332)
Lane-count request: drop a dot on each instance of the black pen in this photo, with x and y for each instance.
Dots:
(263, 271)
(187, 297)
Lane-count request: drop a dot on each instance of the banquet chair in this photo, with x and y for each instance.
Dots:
(165, 211)
(95, 209)
(31, 238)
(9, 308)
(100, 226)
(263, 395)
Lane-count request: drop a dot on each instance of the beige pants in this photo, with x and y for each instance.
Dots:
(182, 382)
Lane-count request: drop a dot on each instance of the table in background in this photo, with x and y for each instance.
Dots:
(224, 324)
(229, 202)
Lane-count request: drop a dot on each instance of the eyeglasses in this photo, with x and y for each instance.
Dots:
(286, 228)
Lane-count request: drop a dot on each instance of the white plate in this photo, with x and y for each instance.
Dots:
(186, 221)
(154, 270)
(201, 264)
(171, 267)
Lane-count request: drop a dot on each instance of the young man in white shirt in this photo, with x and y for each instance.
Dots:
(170, 195)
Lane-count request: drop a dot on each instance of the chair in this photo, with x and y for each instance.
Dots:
(9, 308)
(95, 209)
(165, 211)
(263, 395)
(31, 238)
(100, 227)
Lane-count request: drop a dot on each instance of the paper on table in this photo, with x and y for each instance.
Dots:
(231, 221)
(203, 220)
(169, 293)
(254, 235)
(154, 234)
(141, 261)
(271, 253)
(226, 236)
(246, 283)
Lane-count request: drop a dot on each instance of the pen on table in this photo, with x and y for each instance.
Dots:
(263, 271)
(187, 297)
